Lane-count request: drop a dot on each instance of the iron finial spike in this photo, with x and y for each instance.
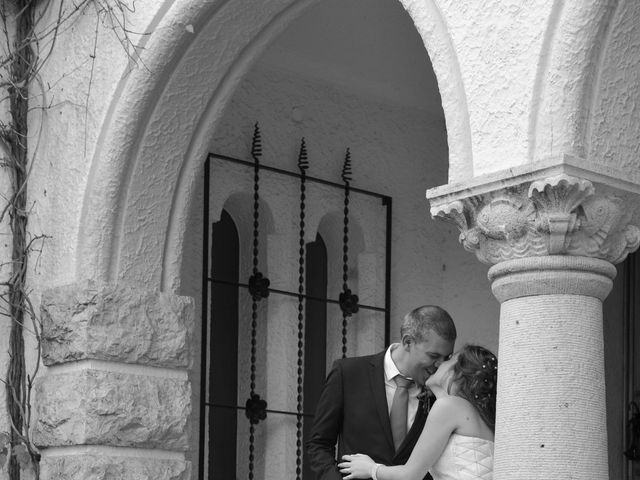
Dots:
(346, 168)
(303, 159)
(256, 144)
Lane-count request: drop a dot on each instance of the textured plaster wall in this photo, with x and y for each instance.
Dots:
(575, 41)
(76, 93)
(498, 46)
(192, 81)
(615, 121)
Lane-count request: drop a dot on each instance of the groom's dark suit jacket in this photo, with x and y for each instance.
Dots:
(353, 410)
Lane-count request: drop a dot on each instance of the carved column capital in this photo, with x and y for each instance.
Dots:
(551, 214)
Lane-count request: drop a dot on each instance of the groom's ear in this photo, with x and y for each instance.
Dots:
(406, 341)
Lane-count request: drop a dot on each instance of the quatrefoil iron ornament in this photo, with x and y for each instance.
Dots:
(348, 302)
(259, 286)
(255, 409)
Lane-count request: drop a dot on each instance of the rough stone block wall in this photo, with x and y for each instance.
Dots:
(96, 407)
(115, 401)
(97, 466)
(115, 323)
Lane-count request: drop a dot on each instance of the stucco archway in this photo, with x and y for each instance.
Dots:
(565, 79)
(581, 107)
(152, 146)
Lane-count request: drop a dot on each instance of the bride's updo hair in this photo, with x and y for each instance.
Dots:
(475, 375)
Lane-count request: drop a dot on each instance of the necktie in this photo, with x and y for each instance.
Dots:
(399, 409)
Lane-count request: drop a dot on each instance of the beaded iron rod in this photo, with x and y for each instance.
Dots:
(348, 301)
(303, 164)
(259, 289)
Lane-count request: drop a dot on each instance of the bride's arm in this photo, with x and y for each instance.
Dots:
(441, 423)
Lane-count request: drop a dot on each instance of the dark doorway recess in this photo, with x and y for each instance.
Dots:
(315, 334)
(223, 349)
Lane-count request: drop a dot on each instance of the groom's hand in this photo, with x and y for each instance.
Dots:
(356, 466)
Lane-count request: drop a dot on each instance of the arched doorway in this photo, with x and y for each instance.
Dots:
(191, 72)
(141, 214)
(344, 74)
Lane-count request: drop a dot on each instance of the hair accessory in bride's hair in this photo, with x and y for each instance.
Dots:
(475, 374)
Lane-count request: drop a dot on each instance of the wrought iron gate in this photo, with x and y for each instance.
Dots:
(256, 407)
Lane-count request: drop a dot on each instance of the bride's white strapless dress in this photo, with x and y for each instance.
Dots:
(465, 458)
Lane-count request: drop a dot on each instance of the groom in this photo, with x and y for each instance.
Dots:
(370, 404)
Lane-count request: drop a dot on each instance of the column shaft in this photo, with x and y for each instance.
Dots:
(551, 411)
(551, 419)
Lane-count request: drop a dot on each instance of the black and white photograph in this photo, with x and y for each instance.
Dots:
(319, 239)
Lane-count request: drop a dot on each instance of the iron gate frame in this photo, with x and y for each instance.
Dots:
(207, 280)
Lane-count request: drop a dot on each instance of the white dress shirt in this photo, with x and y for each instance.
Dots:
(390, 371)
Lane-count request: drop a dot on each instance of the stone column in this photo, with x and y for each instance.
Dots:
(115, 400)
(552, 236)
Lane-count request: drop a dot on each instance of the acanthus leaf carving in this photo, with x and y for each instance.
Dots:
(556, 199)
(559, 215)
(456, 213)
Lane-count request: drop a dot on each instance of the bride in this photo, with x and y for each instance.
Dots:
(457, 440)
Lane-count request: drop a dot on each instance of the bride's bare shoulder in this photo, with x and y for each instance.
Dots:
(463, 417)
(452, 403)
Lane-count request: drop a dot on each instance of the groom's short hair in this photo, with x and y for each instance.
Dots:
(420, 321)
